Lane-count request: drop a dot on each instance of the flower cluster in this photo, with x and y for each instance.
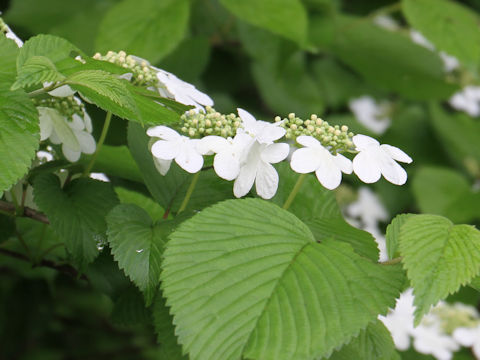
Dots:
(244, 149)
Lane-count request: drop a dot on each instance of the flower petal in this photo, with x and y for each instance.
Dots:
(226, 166)
(248, 171)
(70, 154)
(77, 123)
(363, 141)
(396, 154)
(247, 119)
(162, 165)
(166, 150)
(189, 160)
(87, 142)
(343, 163)
(391, 171)
(163, 132)
(266, 182)
(88, 122)
(328, 173)
(366, 167)
(46, 125)
(275, 153)
(305, 160)
(212, 143)
(62, 91)
(309, 141)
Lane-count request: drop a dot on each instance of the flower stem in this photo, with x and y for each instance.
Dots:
(42, 91)
(294, 191)
(190, 189)
(103, 135)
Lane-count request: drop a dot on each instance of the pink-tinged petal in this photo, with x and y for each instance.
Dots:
(226, 166)
(247, 119)
(189, 160)
(362, 142)
(275, 153)
(343, 163)
(396, 154)
(163, 132)
(166, 150)
(309, 141)
(266, 182)
(212, 144)
(162, 165)
(70, 154)
(391, 171)
(366, 167)
(328, 173)
(305, 160)
(87, 142)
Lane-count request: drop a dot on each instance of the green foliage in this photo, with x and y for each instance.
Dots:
(137, 246)
(19, 135)
(129, 309)
(36, 70)
(8, 60)
(439, 257)
(76, 212)
(393, 234)
(287, 18)
(153, 210)
(450, 26)
(147, 28)
(243, 275)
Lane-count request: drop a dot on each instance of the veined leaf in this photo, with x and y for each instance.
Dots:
(8, 60)
(154, 210)
(246, 278)
(36, 70)
(393, 233)
(137, 246)
(19, 135)
(76, 212)
(439, 257)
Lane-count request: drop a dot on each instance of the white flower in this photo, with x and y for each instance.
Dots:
(370, 114)
(368, 208)
(374, 160)
(450, 62)
(467, 100)
(386, 22)
(469, 337)
(172, 146)
(75, 136)
(256, 167)
(9, 34)
(262, 131)
(314, 157)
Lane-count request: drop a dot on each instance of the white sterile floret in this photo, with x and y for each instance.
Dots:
(467, 100)
(374, 160)
(450, 62)
(469, 337)
(370, 114)
(173, 146)
(314, 157)
(262, 131)
(75, 136)
(255, 166)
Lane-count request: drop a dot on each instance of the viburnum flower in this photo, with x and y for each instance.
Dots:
(370, 114)
(314, 157)
(374, 160)
(173, 146)
(262, 131)
(467, 100)
(469, 337)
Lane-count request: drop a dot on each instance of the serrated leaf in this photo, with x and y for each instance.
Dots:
(53, 47)
(246, 278)
(76, 212)
(475, 283)
(37, 70)
(137, 246)
(287, 18)
(162, 321)
(439, 258)
(390, 60)
(147, 28)
(153, 210)
(106, 91)
(8, 60)
(373, 343)
(450, 26)
(393, 233)
(19, 135)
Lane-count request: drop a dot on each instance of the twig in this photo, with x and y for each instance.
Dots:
(9, 208)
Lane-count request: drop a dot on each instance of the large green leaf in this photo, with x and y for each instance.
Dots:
(153, 210)
(450, 26)
(19, 135)
(390, 60)
(106, 91)
(287, 18)
(439, 257)
(146, 28)
(137, 246)
(8, 60)
(393, 234)
(246, 278)
(76, 212)
(373, 343)
(129, 308)
(36, 70)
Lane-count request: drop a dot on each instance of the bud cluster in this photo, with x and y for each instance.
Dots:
(210, 122)
(335, 138)
(455, 316)
(66, 106)
(142, 73)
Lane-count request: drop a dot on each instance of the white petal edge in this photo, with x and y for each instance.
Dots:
(363, 141)
(366, 168)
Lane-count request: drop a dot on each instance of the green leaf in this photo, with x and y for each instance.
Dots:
(246, 278)
(8, 60)
(373, 343)
(106, 91)
(52, 47)
(76, 212)
(129, 309)
(439, 257)
(393, 233)
(155, 211)
(287, 18)
(390, 60)
(450, 26)
(137, 246)
(147, 28)
(36, 70)
(162, 321)
(475, 283)
(19, 135)
(458, 201)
